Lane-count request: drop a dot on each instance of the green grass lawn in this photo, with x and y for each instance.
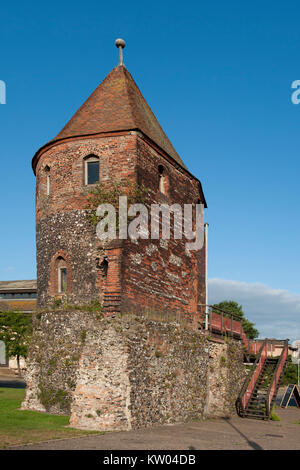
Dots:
(23, 426)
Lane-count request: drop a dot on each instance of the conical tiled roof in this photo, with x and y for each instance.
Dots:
(117, 105)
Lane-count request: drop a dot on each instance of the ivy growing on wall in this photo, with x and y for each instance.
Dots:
(101, 194)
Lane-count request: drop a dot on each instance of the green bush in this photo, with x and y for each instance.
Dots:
(274, 416)
(290, 375)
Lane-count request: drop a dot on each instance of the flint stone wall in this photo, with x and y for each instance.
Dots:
(128, 372)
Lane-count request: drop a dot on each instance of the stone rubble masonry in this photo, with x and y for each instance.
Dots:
(142, 274)
(142, 360)
(128, 371)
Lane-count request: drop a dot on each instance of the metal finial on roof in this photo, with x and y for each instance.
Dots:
(120, 43)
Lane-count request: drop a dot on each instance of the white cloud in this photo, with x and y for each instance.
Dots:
(275, 312)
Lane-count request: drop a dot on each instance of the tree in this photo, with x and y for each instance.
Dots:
(290, 375)
(235, 309)
(15, 331)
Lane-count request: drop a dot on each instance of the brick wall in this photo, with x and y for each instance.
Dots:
(161, 274)
(62, 224)
(146, 274)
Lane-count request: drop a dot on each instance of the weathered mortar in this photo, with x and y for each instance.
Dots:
(226, 376)
(138, 278)
(52, 364)
(128, 371)
(153, 269)
(72, 233)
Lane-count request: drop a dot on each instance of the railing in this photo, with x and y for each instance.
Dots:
(221, 322)
(250, 382)
(253, 346)
(217, 320)
(276, 377)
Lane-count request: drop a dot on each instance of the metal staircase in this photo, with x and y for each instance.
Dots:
(260, 388)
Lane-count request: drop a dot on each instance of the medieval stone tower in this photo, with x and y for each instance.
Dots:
(128, 363)
(114, 134)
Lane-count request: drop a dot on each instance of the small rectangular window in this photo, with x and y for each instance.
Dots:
(48, 182)
(92, 172)
(62, 279)
(48, 185)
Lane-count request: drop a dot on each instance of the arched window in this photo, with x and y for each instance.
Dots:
(162, 179)
(104, 267)
(62, 275)
(91, 170)
(48, 182)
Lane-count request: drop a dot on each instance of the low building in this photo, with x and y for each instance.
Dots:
(17, 296)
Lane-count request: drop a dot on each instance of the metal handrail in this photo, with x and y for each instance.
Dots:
(222, 313)
(229, 314)
(274, 382)
(240, 402)
(223, 327)
(249, 383)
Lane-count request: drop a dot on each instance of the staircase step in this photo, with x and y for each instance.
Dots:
(255, 411)
(247, 415)
(258, 398)
(256, 405)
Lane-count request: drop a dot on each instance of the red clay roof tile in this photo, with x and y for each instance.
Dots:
(117, 105)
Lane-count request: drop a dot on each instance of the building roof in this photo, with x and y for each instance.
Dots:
(9, 286)
(117, 105)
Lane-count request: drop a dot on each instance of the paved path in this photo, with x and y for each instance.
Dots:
(236, 433)
(8, 381)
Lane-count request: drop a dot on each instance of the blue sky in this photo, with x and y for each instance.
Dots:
(217, 76)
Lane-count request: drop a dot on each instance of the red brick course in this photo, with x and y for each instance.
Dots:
(149, 274)
(117, 125)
